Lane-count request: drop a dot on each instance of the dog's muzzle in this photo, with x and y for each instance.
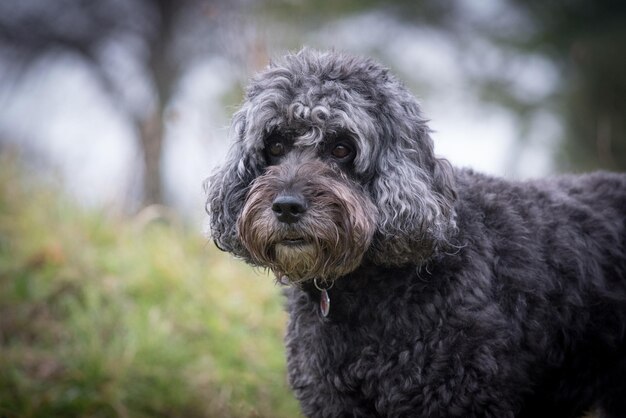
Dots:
(307, 221)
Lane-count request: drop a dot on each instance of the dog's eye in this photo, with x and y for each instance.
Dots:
(276, 149)
(342, 152)
(276, 146)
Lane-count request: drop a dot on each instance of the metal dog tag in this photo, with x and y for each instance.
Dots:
(324, 297)
(324, 303)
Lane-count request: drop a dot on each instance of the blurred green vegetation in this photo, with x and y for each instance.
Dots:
(102, 317)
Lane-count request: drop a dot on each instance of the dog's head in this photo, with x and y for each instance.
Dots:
(331, 163)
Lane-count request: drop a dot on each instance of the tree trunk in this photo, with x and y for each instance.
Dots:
(151, 135)
(164, 71)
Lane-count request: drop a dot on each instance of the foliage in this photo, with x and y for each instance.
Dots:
(138, 51)
(587, 40)
(106, 317)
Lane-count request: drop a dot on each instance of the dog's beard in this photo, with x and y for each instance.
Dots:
(330, 239)
(296, 262)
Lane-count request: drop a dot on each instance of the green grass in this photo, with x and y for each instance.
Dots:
(106, 317)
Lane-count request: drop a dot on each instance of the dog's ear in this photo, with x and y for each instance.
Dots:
(413, 190)
(226, 191)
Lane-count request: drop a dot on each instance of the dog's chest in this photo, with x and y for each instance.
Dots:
(369, 342)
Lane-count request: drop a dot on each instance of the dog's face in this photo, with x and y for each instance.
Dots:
(331, 163)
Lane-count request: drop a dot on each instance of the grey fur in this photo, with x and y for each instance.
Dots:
(471, 296)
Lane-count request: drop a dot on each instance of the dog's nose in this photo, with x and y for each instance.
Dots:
(289, 208)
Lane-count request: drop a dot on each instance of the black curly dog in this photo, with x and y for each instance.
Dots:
(419, 289)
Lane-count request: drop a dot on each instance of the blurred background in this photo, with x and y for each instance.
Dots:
(113, 112)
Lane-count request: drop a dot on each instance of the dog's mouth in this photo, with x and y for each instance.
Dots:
(292, 242)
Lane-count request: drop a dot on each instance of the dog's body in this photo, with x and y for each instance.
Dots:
(452, 294)
(525, 319)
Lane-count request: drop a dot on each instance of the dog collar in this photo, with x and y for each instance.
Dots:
(324, 303)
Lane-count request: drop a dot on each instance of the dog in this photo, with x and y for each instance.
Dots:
(417, 289)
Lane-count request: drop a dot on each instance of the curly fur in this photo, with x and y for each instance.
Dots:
(455, 294)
